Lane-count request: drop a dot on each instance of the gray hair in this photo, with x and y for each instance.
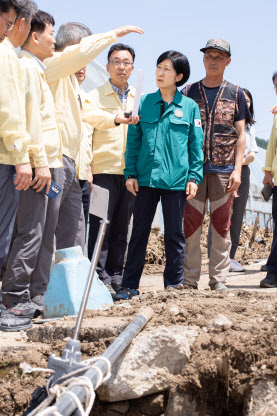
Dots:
(27, 9)
(70, 34)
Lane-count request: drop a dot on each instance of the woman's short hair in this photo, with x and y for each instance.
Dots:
(249, 120)
(70, 34)
(274, 76)
(180, 64)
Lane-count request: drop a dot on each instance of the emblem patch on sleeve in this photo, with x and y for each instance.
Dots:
(197, 122)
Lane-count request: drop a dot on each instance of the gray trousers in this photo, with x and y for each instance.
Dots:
(64, 218)
(25, 246)
(8, 207)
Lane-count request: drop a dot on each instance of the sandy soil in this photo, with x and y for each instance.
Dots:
(223, 363)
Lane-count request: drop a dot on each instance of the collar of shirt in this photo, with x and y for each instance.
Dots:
(118, 91)
(41, 64)
(177, 100)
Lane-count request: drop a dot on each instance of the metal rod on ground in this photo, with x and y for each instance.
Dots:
(66, 404)
(94, 261)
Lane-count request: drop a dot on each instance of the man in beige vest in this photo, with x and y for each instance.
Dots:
(15, 169)
(114, 97)
(20, 293)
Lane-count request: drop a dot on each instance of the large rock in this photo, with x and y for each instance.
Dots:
(180, 405)
(262, 393)
(146, 366)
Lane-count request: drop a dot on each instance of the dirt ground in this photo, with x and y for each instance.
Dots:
(223, 365)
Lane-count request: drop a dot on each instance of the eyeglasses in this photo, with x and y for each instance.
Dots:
(117, 63)
(9, 24)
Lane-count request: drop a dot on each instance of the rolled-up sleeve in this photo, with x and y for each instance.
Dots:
(12, 109)
(195, 146)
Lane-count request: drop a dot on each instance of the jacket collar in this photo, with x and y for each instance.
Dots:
(177, 100)
(9, 45)
(108, 89)
(35, 61)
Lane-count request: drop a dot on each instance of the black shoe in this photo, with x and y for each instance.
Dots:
(219, 286)
(270, 280)
(10, 323)
(125, 293)
(264, 268)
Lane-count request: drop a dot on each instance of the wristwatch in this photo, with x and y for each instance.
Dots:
(192, 180)
(132, 177)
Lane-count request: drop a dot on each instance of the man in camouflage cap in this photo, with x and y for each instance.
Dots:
(223, 110)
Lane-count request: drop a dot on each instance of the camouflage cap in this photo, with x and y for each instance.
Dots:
(220, 44)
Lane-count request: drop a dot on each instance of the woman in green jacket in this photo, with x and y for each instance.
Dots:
(163, 161)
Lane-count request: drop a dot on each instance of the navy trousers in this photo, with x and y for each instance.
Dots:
(120, 209)
(272, 259)
(173, 205)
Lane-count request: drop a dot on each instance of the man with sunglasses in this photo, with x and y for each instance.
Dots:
(15, 169)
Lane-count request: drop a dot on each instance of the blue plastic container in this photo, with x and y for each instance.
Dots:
(67, 284)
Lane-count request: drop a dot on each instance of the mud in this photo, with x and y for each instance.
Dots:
(223, 365)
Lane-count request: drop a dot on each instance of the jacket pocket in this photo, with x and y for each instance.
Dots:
(223, 150)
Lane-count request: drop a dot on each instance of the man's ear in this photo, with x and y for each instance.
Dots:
(228, 61)
(22, 22)
(108, 67)
(34, 37)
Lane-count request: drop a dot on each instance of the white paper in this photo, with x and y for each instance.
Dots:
(99, 202)
(138, 93)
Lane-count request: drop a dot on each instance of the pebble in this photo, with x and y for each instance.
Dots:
(221, 321)
(174, 311)
(18, 338)
(253, 300)
(231, 295)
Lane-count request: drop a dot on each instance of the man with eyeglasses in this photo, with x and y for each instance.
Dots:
(15, 168)
(223, 110)
(270, 177)
(114, 98)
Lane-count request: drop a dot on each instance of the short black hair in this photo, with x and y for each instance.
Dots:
(6, 5)
(39, 22)
(249, 120)
(274, 76)
(122, 47)
(180, 64)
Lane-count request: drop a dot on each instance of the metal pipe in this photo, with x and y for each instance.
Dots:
(66, 404)
(94, 261)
